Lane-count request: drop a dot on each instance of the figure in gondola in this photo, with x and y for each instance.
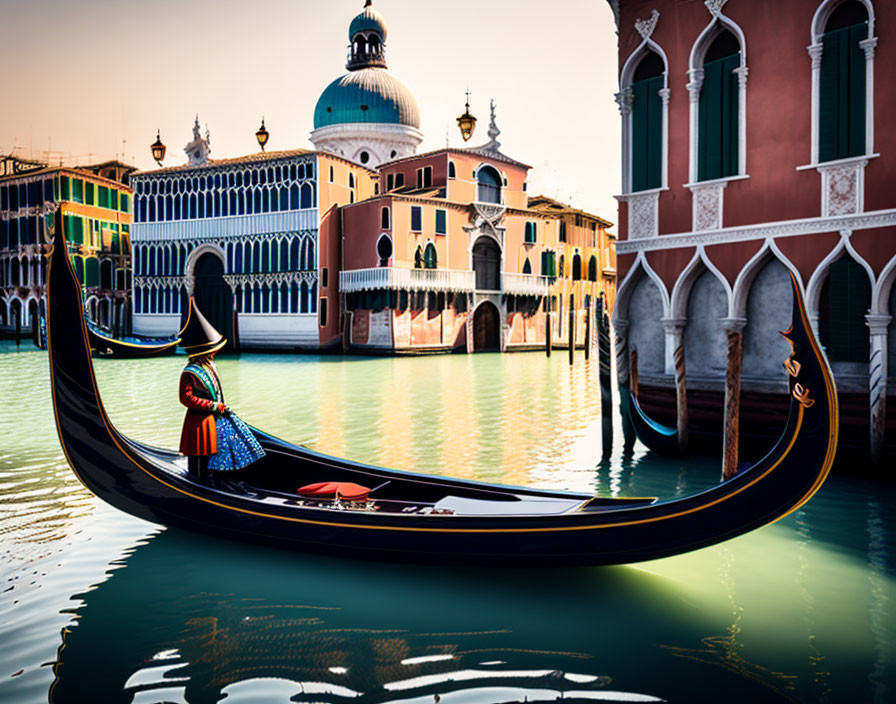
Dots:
(214, 439)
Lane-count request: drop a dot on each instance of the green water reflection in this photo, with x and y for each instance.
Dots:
(99, 606)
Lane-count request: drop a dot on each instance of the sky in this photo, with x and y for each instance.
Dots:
(98, 78)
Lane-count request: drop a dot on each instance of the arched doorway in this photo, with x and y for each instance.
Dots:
(487, 264)
(213, 295)
(486, 328)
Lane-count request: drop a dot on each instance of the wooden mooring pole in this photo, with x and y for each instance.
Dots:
(623, 377)
(681, 398)
(602, 321)
(548, 331)
(571, 335)
(588, 308)
(732, 396)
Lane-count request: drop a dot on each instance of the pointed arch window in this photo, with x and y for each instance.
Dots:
(527, 266)
(718, 116)
(647, 122)
(842, 83)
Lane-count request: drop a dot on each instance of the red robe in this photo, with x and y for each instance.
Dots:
(198, 436)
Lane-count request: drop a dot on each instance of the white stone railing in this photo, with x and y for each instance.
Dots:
(405, 279)
(525, 284)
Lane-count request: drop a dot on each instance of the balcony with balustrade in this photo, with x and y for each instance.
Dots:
(391, 278)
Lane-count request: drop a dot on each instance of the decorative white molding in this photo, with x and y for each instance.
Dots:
(785, 228)
(706, 206)
(643, 214)
(232, 226)
(645, 27)
(625, 99)
(378, 139)
(715, 6)
(842, 188)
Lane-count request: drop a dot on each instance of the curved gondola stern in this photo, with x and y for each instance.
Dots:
(92, 446)
(813, 392)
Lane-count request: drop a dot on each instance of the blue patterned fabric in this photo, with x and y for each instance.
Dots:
(237, 445)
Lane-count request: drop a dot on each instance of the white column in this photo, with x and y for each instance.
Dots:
(868, 46)
(694, 85)
(877, 381)
(624, 99)
(742, 74)
(664, 176)
(674, 328)
(815, 52)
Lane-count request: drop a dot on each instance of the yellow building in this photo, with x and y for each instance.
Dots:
(586, 262)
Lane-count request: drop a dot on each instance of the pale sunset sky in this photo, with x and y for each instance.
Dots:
(97, 78)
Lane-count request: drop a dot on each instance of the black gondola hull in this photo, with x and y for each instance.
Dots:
(153, 484)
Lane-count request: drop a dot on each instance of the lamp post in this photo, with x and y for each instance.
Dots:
(262, 135)
(158, 149)
(466, 122)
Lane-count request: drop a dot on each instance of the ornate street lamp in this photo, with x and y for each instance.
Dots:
(466, 122)
(158, 149)
(262, 135)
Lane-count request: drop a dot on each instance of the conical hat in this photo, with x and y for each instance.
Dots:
(199, 337)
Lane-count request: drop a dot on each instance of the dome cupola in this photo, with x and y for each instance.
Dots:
(367, 34)
(367, 115)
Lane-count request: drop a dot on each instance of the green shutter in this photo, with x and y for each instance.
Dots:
(718, 123)
(441, 222)
(647, 134)
(849, 294)
(841, 104)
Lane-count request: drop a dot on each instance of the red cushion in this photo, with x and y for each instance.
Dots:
(319, 489)
(345, 490)
(352, 492)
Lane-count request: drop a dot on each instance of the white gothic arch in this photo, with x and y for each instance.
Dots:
(813, 290)
(681, 291)
(744, 282)
(716, 26)
(623, 294)
(880, 294)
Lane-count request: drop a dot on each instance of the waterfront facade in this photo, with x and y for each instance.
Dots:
(747, 159)
(95, 203)
(254, 238)
(453, 255)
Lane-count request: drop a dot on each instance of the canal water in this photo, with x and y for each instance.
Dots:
(96, 606)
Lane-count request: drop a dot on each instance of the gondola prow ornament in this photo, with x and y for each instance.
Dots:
(213, 438)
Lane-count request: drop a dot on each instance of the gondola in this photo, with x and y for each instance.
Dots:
(130, 347)
(656, 436)
(417, 517)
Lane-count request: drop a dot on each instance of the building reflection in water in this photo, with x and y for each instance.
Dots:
(190, 619)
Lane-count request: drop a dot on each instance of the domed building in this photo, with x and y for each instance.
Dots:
(367, 115)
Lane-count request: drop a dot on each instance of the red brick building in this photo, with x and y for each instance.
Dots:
(755, 144)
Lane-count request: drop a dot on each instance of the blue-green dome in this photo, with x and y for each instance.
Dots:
(367, 95)
(369, 20)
